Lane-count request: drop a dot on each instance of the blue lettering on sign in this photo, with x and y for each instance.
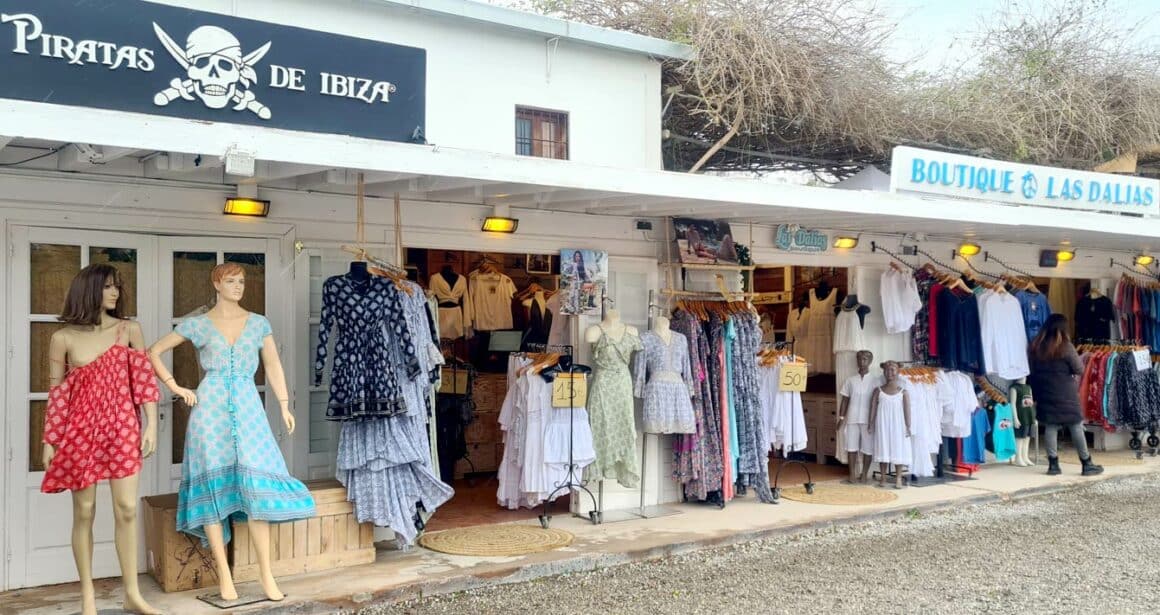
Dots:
(793, 238)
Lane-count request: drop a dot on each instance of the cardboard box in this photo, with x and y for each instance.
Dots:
(175, 559)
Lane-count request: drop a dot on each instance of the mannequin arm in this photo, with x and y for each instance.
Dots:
(156, 351)
(873, 421)
(276, 379)
(1014, 410)
(906, 411)
(843, 408)
(57, 350)
(149, 433)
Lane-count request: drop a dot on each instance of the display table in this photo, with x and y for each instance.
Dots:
(330, 539)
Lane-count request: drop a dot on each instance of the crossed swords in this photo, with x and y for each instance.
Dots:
(184, 88)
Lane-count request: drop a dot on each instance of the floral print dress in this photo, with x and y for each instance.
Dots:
(610, 409)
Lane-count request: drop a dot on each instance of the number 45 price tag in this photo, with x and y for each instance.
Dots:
(792, 377)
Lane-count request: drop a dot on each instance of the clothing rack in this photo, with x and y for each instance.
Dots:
(987, 258)
(967, 262)
(1114, 263)
(784, 460)
(570, 484)
(937, 261)
(874, 247)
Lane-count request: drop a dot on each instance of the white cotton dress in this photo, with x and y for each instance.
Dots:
(891, 445)
(848, 336)
(819, 347)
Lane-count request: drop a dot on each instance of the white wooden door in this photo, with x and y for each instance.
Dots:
(44, 262)
(185, 264)
(629, 283)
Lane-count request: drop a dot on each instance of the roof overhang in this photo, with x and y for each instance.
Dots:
(452, 175)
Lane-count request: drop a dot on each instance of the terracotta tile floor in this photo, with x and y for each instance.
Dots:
(474, 504)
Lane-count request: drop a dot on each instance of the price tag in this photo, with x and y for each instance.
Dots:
(792, 377)
(1143, 360)
(570, 391)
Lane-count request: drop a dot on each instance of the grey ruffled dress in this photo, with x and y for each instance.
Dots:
(663, 379)
(385, 463)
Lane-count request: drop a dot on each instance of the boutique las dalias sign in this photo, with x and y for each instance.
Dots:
(930, 172)
(143, 57)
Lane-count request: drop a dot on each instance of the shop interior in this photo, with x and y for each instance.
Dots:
(513, 309)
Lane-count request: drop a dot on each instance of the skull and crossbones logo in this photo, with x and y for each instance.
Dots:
(216, 71)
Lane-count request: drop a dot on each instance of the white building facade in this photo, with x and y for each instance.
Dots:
(123, 159)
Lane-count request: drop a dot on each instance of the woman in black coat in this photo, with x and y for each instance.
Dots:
(1055, 366)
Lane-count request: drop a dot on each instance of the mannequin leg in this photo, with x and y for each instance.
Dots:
(899, 473)
(125, 536)
(852, 459)
(217, 544)
(867, 460)
(882, 474)
(84, 509)
(260, 533)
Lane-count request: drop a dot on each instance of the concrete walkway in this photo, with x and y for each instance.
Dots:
(398, 575)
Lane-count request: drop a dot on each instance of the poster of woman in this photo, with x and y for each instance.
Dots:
(583, 278)
(706, 242)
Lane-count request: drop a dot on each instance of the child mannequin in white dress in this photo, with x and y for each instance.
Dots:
(890, 426)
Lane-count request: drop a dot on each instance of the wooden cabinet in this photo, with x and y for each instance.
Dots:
(821, 415)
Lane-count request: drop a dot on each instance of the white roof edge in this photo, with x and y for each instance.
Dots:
(550, 26)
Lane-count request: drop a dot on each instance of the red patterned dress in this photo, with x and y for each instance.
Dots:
(93, 421)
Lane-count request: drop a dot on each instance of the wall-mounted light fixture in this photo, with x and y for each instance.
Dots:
(1144, 260)
(845, 243)
(969, 249)
(500, 221)
(1064, 256)
(238, 206)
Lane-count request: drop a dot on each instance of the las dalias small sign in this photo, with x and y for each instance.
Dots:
(150, 58)
(793, 238)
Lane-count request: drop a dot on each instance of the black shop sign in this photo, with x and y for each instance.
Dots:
(129, 55)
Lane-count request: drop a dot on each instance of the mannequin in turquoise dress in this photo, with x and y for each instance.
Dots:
(232, 468)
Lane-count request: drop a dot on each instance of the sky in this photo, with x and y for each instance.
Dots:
(934, 33)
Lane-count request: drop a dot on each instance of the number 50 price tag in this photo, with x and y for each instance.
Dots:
(792, 377)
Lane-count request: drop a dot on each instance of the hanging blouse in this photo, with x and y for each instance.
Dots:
(363, 382)
(491, 296)
(900, 301)
(848, 335)
(1035, 310)
(1004, 336)
(960, 344)
(920, 341)
(1094, 318)
(662, 378)
(797, 324)
(454, 305)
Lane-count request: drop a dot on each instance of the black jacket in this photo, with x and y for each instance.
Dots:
(1055, 388)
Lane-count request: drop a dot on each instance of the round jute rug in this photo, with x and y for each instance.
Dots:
(496, 540)
(839, 494)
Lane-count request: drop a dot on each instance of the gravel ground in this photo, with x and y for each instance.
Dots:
(1089, 550)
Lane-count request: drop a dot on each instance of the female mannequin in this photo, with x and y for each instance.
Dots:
(610, 403)
(232, 466)
(83, 405)
(890, 426)
(661, 328)
(663, 378)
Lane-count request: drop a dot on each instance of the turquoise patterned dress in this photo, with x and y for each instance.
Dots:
(232, 467)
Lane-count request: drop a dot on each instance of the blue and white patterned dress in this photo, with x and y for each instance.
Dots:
(232, 467)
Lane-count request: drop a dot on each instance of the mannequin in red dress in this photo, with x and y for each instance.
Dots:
(96, 351)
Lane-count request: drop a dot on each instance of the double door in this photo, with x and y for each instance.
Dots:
(166, 279)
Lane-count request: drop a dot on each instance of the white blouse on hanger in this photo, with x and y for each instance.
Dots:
(848, 336)
(1004, 335)
(900, 301)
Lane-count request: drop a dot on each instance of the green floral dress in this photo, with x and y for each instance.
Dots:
(610, 410)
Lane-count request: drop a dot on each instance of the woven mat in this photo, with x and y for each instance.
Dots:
(1106, 458)
(840, 494)
(496, 540)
